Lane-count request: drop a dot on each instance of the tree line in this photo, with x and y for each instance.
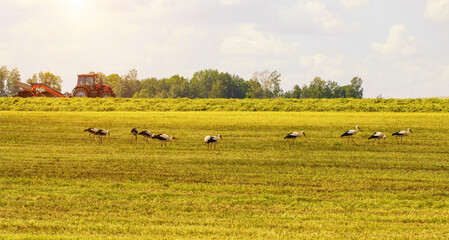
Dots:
(208, 83)
(9, 79)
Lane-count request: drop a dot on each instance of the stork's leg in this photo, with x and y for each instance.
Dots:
(397, 140)
(348, 140)
(165, 144)
(374, 141)
(354, 141)
(132, 139)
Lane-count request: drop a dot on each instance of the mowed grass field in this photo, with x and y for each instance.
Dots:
(57, 183)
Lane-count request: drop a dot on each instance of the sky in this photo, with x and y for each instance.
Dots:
(400, 48)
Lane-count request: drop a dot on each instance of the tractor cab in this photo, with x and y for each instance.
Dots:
(89, 80)
(91, 85)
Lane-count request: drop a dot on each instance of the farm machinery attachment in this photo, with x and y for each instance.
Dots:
(39, 90)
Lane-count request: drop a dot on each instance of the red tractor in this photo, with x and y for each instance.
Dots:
(91, 85)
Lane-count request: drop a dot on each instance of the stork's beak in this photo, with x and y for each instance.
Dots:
(304, 134)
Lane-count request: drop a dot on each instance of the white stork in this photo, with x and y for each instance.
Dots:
(293, 136)
(351, 133)
(212, 140)
(102, 133)
(402, 134)
(91, 131)
(377, 135)
(146, 135)
(134, 133)
(164, 138)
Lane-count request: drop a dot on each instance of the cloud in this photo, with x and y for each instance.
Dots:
(229, 2)
(244, 50)
(351, 5)
(437, 10)
(248, 41)
(332, 66)
(312, 61)
(317, 13)
(398, 43)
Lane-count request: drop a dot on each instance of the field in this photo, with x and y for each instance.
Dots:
(55, 183)
(185, 104)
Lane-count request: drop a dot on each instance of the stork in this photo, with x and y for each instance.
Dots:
(351, 133)
(377, 135)
(102, 133)
(134, 133)
(293, 136)
(164, 138)
(402, 134)
(212, 140)
(146, 134)
(91, 131)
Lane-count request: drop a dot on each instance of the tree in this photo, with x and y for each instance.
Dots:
(218, 90)
(33, 79)
(202, 82)
(254, 89)
(356, 90)
(332, 89)
(4, 73)
(275, 78)
(50, 79)
(270, 82)
(112, 80)
(296, 93)
(316, 89)
(178, 87)
(239, 87)
(128, 85)
(11, 83)
(148, 88)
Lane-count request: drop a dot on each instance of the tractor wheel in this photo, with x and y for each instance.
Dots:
(80, 92)
(105, 94)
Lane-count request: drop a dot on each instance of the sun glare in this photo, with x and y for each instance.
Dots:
(77, 4)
